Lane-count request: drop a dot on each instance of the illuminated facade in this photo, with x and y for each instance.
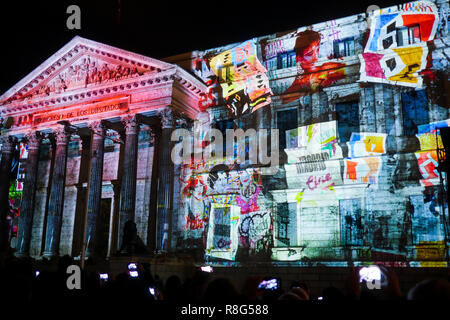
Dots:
(357, 103)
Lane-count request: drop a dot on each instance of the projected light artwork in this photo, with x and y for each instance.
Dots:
(360, 178)
(322, 145)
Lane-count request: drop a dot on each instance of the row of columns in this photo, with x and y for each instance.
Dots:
(8, 147)
(161, 219)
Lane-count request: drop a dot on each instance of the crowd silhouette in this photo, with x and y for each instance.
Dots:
(21, 282)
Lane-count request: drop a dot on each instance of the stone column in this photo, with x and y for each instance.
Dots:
(29, 190)
(8, 147)
(165, 182)
(115, 219)
(95, 184)
(80, 215)
(56, 198)
(128, 185)
(151, 236)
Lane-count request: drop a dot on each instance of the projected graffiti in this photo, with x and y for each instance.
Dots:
(245, 86)
(222, 239)
(250, 187)
(222, 209)
(362, 170)
(254, 231)
(318, 140)
(366, 144)
(197, 208)
(396, 51)
(312, 153)
(429, 139)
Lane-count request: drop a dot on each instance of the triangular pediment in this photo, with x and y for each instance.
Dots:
(82, 63)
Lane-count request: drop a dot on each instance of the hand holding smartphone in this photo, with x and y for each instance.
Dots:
(374, 274)
(369, 274)
(269, 284)
(133, 270)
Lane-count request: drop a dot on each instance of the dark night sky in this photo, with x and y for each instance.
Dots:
(31, 32)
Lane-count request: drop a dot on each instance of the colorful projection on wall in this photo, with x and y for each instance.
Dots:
(366, 144)
(362, 170)
(212, 97)
(428, 163)
(311, 76)
(331, 201)
(429, 135)
(396, 51)
(313, 139)
(363, 164)
(245, 86)
(429, 139)
(313, 151)
(222, 209)
(222, 241)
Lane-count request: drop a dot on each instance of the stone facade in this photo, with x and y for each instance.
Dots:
(99, 110)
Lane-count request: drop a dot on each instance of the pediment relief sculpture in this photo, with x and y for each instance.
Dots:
(86, 71)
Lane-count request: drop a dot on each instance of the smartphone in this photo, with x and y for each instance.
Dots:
(152, 291)
(103, 276)
(132, 266)
(37, 273)
(206, 269)
(370, 274)
(269, 284)
(132, 270)
(133, 273)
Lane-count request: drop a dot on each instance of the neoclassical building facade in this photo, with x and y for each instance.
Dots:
(344, 116)
(92, 120)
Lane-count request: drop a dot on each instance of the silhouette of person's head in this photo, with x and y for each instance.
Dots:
(430, 290)
(220, 290)
(129, 228)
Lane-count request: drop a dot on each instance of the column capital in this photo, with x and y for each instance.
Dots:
(61, 135)
(130, 124)
(98, 128)
(8, 143)
(33, 139)
(167, 118)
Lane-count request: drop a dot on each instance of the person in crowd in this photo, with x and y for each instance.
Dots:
(20, 282)
(220, 290)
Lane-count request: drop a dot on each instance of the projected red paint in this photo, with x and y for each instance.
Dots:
(312, 77)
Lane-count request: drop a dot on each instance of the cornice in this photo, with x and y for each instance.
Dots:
(126, 86)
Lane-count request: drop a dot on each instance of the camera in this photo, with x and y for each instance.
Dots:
(269, 284)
